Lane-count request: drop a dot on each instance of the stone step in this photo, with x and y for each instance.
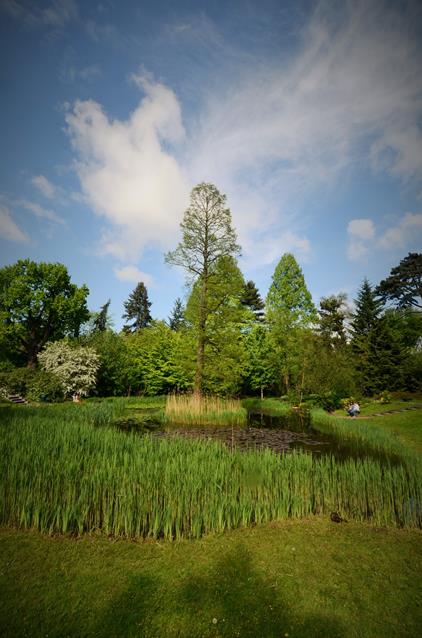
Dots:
(16, 398)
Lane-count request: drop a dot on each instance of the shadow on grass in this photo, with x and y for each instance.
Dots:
(230, 599)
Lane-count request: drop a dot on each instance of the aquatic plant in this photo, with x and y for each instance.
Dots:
(58, 473)
(191, 409)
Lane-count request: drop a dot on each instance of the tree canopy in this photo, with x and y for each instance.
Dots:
(404, 284)
(137, 309)
(38, 303)
(207, 235)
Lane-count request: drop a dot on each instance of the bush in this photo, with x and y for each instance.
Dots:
(33, 384)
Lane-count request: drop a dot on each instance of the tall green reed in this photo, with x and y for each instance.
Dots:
(60, 474)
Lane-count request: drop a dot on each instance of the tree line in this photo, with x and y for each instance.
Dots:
(224, 339)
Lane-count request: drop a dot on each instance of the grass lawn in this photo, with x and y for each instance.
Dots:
(303, 578)
(296, 578)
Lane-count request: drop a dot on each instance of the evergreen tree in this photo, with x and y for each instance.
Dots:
(101, 320)
(252, 300)
(363, 328)
(177, 317)
(207, 235)
(332, 315)
(137, 309)
(404, 284)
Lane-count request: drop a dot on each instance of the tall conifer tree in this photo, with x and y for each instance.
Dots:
(137, 309)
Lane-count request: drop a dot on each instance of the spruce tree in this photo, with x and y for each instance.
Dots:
(137, 309)
(363, 327)
(177, 317)
(332, 315)
(252, 300)
(101, 319)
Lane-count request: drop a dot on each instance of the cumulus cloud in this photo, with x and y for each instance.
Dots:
(126, 170)
(361, 228)
(9, 229)
(133, 274)
(407, 232)
(44, 186)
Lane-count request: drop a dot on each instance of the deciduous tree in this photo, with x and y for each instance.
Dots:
(38, 303)
(207, 235)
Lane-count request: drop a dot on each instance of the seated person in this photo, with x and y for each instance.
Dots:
(353, 409)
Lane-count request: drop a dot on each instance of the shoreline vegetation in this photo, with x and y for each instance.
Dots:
(60, 474)
(191, 409)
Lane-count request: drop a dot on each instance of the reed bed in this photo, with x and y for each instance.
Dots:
(364, 433)
(194, 410)
(60, 474)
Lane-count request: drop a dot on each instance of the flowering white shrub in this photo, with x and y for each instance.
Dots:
(75, 367)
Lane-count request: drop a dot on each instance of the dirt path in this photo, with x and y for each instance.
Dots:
(384, 413)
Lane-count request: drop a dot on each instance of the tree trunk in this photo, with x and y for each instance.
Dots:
(262, 392)
(200, 353)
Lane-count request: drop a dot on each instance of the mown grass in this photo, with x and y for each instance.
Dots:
(60, 474)
(194, 410)
(305, 579)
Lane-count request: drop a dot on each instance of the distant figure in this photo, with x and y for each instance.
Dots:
(353, 409)
(76, 397)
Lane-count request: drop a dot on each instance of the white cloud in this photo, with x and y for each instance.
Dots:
(133, 274)
(361, 228)
(40, 211)
(9, 229)
(354, 89)
(126, 171)
(407, 232)
(71, 73)
(44, 186)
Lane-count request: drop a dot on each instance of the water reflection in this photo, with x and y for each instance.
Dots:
(283, 433)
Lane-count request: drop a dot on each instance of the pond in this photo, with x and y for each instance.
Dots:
(280, 433)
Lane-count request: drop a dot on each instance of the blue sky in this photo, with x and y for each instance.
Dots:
(307, 115)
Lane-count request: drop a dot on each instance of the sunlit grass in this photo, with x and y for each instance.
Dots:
(58, 473)
(194, 410)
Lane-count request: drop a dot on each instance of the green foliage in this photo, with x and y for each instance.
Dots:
(332, 315)
(156, 362)
(261, 368)
(33, 384)
(224, 351)
(289, 300)
(101, 320)
(38, 303)
(404, 284)
(177, 318)
(137, 309)
(252, 300)
(76, 367)
(208, 236)
(112, 375)
(60, 474)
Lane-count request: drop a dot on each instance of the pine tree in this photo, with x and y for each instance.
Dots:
(101, 319)
(404, 284)
(252, 300)
(332, 315)
(137, 308)
(177, 318)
